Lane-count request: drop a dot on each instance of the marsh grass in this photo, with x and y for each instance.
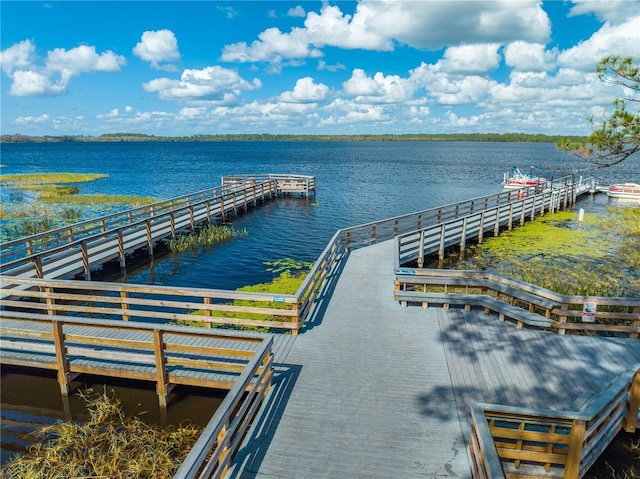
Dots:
(56, 203)
(108, 445)
(23, 179)
(205, 237)
(290, 274)
(601, 258)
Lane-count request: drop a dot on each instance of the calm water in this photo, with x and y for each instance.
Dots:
(357, 183)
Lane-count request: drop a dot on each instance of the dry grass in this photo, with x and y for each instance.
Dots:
(109, 445)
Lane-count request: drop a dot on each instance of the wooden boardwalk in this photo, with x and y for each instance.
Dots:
(374, 390)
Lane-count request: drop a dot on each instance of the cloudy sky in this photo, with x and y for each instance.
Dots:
(309, 67)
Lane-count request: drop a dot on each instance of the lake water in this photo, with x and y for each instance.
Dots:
(357, 182)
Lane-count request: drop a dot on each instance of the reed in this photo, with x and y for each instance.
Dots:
(50, 178)
(600, 258)
(108, 445)
(205, 238)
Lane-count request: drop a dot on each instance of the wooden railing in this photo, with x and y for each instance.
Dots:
(157, 304)
(164, 354)
(65, 252)
(286, 184)
(524, 303)
(218, 443)
(512, 442)
(457, 231)
(563, 192)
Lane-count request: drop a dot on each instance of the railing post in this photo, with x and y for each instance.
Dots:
(223, 440)
(38, 265)
(510, 224)
(207, 311)
(123, 259)
(161, 371)
(496, 226)
(192, 219)
(50, 301)
(124, 305)
(64, 375)
(172, 224)
(421, 250)
(149, 237)
(574, 451)
(481, 228)
(463, 237)
(441, 248)
(85, 260)
(373, 235)
(630, 423)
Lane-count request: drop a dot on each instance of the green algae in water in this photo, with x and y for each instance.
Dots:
(599, 257)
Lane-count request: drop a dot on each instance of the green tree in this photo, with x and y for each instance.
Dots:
(616, 136)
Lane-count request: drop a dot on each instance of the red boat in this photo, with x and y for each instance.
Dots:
(627, 191)
(519, 180)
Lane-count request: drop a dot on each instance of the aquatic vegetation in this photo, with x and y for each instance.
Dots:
(21, 180)
(54, 205)
(205, 237)
(288, 265)
(601, 257)
(286, 282)
(107, 445)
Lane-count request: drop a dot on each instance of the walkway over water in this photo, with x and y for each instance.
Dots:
(371, 389)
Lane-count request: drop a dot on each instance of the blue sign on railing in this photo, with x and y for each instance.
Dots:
(278, 299)
(406, 271)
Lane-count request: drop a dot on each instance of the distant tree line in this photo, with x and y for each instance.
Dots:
(141, 137)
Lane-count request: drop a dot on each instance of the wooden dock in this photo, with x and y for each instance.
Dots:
(374, 390)
(371, 389)
(77, 249)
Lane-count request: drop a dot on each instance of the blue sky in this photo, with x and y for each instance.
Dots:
(310, 67)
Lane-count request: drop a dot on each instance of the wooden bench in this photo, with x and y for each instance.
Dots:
(505, 310)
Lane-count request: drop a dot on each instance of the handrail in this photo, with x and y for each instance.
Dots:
(131, 302)
(565, 312)
(512, 441)
(344, 240)
(122, 218)
(74, 256)
(223, 435)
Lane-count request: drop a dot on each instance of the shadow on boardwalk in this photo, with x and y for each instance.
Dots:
(374, 390)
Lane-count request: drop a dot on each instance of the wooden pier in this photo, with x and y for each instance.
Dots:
(373, 388)
(69, 251)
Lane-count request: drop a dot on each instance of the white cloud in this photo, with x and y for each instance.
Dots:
(212, 85)
(273, 45)
(380, 25)
(470, 59)
(322, 65)
(82, 59)
(622, 39)
(30, 78)
(613, 11)
(19, 56)
(306, 91)
(31, 119)
(160, 48)
(379, 89)
(297, 11)
(229, 12)
(115, 113)
(33, 83)
(529, 56)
